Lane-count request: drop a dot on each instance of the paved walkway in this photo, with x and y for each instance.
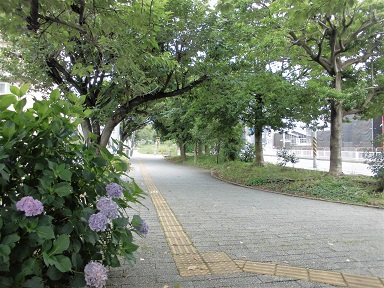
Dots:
(207, 233)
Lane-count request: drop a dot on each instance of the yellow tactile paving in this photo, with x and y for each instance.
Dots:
(361, 281)
(293, 272)
(327, 277)
(259, 268)
(190, 262)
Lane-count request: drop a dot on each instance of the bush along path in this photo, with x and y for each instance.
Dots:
(64, 210)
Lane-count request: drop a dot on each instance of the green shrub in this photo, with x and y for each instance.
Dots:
(376, 165)
(247, 154)
(53, 192)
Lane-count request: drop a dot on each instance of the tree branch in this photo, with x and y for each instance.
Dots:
(296, 41)
(54, 65)
(376, 91)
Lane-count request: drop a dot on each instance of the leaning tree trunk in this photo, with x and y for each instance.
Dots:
(335, 161)
(259, 156)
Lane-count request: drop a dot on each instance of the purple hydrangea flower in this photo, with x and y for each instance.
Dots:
(108, 207)
(98, 222)
(114, 190)
(143, 228)
(95, 274)
(30, 206)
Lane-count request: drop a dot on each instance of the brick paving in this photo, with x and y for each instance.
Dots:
(208, 233)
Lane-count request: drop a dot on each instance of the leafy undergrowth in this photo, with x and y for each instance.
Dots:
(353, 189)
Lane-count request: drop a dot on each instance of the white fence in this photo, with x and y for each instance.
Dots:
(356, 154)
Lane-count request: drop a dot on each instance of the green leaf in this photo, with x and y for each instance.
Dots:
(77, 280)
(24, 88)
(136, 220)
(60, 244)
(4, 172)
(19, 105)
(6, 100)
(9, 129)
(63, 189)
(54, 274)
(55, 95)
(45, 232)
(88, 175)
(120, 222)
(100, 162)
(65, 175)
(31, 266)
(10, 240)
(77, 261)
(90, 237)
(63, 263)
(15, 90)
(35, 282)
(5, 250)
(106, 154)
(49, 260)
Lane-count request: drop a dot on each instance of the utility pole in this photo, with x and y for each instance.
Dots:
(314, 147)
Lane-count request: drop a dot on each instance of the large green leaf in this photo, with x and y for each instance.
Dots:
(31, 266)
(65, 174)
(24, 88)
(63, 189)
(7, 100)
(45, 232)
(35, 282)
(10, 240)
(63, 263)
(53, 273)
(60, 244)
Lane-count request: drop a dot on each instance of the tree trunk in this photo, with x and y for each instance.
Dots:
(206, 150)
(259, 156)
(200, 148)
(86, 129)
(217, 151)
(337, 114)
(182, 150)
(335, 162)
(195, 154)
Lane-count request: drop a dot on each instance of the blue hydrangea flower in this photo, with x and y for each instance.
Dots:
(143, 228)
(108, 207)
(114, 190)
(98, 222)
(30, 206)
(95, 274)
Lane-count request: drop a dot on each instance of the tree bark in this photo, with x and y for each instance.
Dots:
(259, 156)
(182, 150)
(206, 150)
(337, 114)
(200, 149)
(335, 161)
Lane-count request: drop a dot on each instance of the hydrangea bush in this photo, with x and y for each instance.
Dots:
(64, 209)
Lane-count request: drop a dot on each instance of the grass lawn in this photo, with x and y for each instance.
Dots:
(353, 189)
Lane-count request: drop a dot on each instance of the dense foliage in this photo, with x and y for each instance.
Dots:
(62, 203)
